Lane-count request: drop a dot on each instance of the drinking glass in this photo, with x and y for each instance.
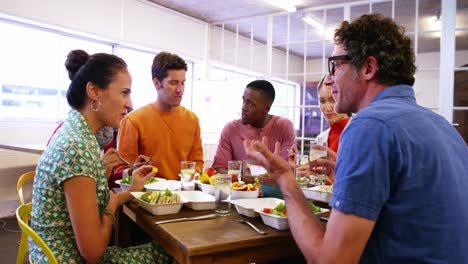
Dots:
(318, 150)
(235, 169)
(222, 194)
(187, 174)
(302, 177)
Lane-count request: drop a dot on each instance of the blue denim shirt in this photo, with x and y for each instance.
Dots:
(406, 168)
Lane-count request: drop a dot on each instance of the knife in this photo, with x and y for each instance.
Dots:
(186, 219)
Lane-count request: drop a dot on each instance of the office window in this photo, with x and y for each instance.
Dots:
(33, 79)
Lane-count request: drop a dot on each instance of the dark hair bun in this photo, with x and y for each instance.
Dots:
(75, 59)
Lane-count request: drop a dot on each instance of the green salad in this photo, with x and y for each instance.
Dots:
(315, 208)
(128, 180)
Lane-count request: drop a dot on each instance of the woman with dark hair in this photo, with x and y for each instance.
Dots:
(73, 209)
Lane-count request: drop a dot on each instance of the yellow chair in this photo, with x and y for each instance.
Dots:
(22, 214)
(19, 186)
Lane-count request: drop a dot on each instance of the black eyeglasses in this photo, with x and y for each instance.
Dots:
(331, 62)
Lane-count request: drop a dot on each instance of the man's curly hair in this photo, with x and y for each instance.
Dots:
(378, 36)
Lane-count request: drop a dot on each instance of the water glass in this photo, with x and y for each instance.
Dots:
(187, 174)
(318, 150)
(235, 169)
(222, 194)
(302, 176)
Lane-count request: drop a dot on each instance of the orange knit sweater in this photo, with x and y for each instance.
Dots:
(167, 137)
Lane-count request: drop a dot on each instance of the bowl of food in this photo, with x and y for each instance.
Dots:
(126, 182)
(275, 217)
(247, 206)
(159, 202)
(243, 191)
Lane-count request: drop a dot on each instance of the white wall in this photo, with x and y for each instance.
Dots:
(133, 21)
(242, 58)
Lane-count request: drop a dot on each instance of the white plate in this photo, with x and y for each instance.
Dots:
(315, 193)
(159, 209)
(247, 206)
(198, 200)
(163, 185)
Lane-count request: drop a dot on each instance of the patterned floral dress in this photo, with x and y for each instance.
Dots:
(74, 151)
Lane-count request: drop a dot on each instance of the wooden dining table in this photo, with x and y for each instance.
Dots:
(216, 240)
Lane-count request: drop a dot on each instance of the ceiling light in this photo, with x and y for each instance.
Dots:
(329, 32)
(288, 5)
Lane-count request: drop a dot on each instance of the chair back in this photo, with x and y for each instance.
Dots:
(19, 185)
(22, 215)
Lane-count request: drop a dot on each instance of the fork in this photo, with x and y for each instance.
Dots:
(130, 165)
(251, 225)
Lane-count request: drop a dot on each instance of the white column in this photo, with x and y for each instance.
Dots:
(447, 59)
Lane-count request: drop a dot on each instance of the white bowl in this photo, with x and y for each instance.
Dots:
(207, 188)
(247, 206)
(163, 185)
(125, 187)
(244, 194)
(158, 209)
(198, 200)
(281, 222)
(275, 221)
(317, 193)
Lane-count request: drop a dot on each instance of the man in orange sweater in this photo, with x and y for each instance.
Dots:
(163, 130)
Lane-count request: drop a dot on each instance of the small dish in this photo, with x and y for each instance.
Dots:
(207, 188)
(247, 206)
(275, 221)
(244, 194)
(318, 193)
(163, 185)
(125, 187)
(198, 200)
(158, 209)
(281, 222)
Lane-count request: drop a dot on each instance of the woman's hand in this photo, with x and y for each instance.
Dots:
(329, 163)
(272, 162)
(110, 159)
(140, 176)
(142, 160)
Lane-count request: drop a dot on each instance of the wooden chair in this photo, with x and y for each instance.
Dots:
(19, 185)
(23, 213)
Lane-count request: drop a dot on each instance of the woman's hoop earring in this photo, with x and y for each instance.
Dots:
(95, 109)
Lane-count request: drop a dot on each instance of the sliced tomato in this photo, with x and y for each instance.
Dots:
(267, 210)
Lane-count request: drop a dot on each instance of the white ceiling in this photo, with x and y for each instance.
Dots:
(252, 14)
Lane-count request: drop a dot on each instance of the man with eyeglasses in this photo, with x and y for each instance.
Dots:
(400, 194)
